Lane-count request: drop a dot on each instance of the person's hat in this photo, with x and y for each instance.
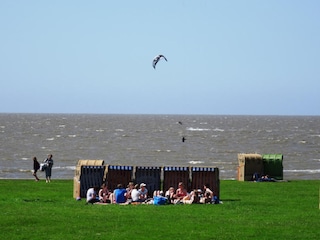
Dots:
(143, 185)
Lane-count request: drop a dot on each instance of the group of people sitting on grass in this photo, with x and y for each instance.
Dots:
(138, 193)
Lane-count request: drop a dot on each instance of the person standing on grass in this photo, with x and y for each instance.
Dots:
(36, 167)
(49, 163)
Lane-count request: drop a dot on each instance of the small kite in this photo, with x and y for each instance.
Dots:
(156, 60)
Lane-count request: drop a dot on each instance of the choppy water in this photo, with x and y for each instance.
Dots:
(155, 140)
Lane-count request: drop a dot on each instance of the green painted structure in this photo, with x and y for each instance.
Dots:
(272, 165)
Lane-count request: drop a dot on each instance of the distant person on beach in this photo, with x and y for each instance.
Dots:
(36, 167)
(49, 163)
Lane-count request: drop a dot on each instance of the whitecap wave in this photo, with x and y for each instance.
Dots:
(303, 171)
(196, 162)
(159, 150)
(218, 130)
(223, 163)
(25, 170)
(198, 129)
(64, 167)
(226, 171)
(317, 135)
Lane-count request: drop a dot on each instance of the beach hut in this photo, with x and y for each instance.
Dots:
(272, 165)
(88, 173)
(201, 176)
(116, 174)
(173, 175)
(249, 164)
(150, 176)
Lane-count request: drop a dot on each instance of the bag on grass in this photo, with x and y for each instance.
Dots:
(158, 200)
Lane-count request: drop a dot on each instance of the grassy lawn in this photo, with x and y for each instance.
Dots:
(282, 210)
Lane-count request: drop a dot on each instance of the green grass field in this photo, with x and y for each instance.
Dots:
(282, 210)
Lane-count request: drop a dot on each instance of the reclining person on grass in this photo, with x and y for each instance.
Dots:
(193, 197)
(264, 178)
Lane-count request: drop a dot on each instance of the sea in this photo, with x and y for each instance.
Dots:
(156, 140)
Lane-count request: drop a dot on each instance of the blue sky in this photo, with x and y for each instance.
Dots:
(224, 57)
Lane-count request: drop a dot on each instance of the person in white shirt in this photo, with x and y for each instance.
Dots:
(92, 195)
(135, 194)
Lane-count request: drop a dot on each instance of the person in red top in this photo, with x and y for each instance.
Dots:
(180, 193)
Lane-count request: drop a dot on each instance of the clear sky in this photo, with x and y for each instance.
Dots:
(224, 57)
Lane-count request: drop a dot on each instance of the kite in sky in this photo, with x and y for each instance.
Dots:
(156, 60)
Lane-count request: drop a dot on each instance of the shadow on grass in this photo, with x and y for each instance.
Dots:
(36, 200)
(231, 200)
